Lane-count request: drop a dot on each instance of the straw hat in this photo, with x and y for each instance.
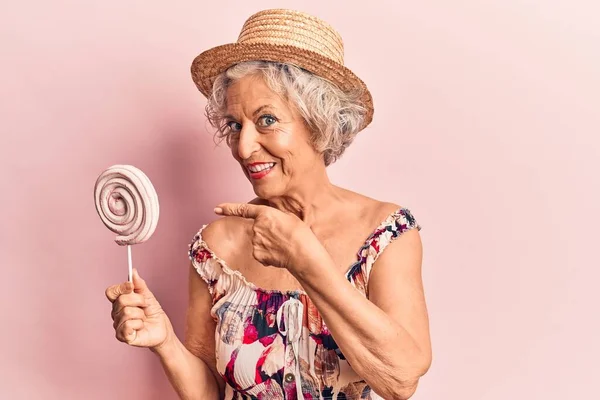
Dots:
(284, 36)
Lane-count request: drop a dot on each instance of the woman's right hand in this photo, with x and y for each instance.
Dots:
(139, 320)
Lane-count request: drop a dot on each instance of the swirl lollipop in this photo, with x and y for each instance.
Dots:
(127, 204)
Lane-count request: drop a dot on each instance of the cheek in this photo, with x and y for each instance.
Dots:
(291, 143)
(279, 143)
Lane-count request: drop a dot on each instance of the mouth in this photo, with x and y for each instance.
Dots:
(260, 170)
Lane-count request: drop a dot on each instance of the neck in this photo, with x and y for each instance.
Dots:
(310, 200)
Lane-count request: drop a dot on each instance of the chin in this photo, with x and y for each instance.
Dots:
(266, 191)
(263, 193)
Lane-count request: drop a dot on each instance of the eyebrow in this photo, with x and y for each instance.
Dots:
(261, 108)
(257, 111)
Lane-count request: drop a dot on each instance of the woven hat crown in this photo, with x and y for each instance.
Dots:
(293, 28)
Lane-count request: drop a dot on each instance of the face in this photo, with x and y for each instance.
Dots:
(268, 138)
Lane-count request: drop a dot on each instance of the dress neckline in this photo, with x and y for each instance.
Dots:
(297, 292)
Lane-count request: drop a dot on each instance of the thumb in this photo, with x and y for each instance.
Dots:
(139, 285)
(113, 292)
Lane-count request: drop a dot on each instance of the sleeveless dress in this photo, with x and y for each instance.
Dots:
(274, 345)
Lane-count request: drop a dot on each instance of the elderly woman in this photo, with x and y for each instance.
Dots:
(309, 291)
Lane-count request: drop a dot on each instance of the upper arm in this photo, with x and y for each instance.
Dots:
(396, 287)
(200, 326)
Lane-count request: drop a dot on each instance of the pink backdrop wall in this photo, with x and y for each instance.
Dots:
(486, 126)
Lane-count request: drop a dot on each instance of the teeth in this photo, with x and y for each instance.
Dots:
(260, 167)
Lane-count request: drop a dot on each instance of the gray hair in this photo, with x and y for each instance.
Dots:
(333, 116)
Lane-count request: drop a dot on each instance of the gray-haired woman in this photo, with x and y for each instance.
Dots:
(335, 316)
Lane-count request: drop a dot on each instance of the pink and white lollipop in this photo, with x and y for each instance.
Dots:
(127, 204)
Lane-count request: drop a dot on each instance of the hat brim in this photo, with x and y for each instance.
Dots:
(211, 63)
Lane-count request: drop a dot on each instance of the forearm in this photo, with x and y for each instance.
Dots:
(191, 378)
(381, 351)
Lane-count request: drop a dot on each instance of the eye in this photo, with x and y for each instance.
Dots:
(267, 120)
(234, 126)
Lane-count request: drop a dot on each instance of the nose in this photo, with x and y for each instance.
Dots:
(247, 142)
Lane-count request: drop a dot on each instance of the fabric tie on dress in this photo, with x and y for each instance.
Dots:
(290, 314)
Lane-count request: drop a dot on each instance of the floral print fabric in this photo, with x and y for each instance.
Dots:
(274, 344)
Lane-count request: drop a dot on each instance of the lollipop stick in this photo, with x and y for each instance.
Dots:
(130, 276)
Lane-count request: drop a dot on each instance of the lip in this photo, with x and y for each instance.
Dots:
(260, 174)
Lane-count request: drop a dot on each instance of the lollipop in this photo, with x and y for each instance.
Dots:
(127, 204)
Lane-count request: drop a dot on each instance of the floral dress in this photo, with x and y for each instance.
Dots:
(274, 344)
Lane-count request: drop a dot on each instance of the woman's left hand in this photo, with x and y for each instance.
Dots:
(279, 239)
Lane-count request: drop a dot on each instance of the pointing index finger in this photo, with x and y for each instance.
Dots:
(239, 210)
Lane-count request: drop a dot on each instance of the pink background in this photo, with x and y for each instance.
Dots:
(486, 126)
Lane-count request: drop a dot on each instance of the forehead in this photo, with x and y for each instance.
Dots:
(251, 92)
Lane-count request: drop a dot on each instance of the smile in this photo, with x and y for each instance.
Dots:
(258, 171)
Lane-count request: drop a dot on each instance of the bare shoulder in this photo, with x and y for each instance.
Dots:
(370, 209)
(386, 208)
(223, 235)
(227, 236)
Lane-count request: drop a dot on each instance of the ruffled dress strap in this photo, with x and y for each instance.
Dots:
(390, 229)
(219, 277)
(208, 266)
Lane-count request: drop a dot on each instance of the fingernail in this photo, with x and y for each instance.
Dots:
(218, 210)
